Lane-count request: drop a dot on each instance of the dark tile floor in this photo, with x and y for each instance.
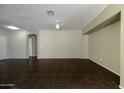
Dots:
(55, 74)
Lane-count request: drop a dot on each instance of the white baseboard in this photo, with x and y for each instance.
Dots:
(39, 57)
(121, 87)
(18, 58)
(58, 58)
(4, 59)
(104, 66)
(33, 56)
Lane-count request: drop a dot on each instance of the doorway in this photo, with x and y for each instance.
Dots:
(32, 45)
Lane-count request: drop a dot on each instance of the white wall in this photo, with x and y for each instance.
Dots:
(122, 50)
(6, 34)
(3, 47)
(85, 46)
(51, 44)
(62, 44)
(104, 47)
(18, 44)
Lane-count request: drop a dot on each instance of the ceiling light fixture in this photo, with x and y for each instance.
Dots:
(12, 27)
(57, 24)
(50, 12)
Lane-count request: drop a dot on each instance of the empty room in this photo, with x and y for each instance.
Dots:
(61, 46)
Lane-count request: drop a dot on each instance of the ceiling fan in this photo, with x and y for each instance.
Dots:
(58, 25)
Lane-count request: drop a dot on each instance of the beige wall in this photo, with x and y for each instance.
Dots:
(104, 47)
(62, 44)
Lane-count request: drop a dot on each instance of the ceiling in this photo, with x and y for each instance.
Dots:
(34, 17)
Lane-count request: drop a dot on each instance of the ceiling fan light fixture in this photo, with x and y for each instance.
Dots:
(50, 13)
(57, 26)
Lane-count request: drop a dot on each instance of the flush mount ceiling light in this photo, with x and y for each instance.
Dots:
(12, 27)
